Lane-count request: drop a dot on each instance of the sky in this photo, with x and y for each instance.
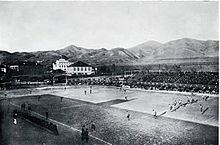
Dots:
(37, 26)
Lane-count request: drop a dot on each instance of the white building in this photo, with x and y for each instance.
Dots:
(3, 68)
(61, 64)
(14, 67)
(81, 68)
(78, 68)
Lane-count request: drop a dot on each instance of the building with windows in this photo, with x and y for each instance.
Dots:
(14, 67)
(27, 71)
(27, 68)
(3, 68)
(81, 68)
(61, 64)
(78, 68)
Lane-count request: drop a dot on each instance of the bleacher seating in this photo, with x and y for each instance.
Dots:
(202, 82)
(39, 121)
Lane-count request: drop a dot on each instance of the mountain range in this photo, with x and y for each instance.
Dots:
(151, 52)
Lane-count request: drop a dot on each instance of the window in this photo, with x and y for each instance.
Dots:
(74, 69)
(85, 69)
(81, 68)
(77, 69)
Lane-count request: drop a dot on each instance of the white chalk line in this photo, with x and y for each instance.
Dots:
(62, 124)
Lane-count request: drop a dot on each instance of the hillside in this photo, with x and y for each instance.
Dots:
(181, 51)
(3, 56)
(188, 48)
(146, 49)
(184, 50)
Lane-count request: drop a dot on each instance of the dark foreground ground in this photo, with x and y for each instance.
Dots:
(112, 126)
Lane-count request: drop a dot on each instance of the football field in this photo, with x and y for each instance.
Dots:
(108, 109)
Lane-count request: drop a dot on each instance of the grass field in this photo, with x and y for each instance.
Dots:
(108, 109)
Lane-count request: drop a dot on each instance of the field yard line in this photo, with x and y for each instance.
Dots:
(57, 122)
(79, 131)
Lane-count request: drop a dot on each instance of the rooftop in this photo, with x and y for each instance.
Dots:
(27, 63)
(80, 63)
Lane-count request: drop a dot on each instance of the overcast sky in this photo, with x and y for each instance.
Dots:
(32, 26)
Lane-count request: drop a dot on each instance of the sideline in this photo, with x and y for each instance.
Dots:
(140, 89)
(172, 92)
(65, 125)
(48, 89)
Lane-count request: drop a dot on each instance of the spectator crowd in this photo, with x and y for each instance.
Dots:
(201, 82)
